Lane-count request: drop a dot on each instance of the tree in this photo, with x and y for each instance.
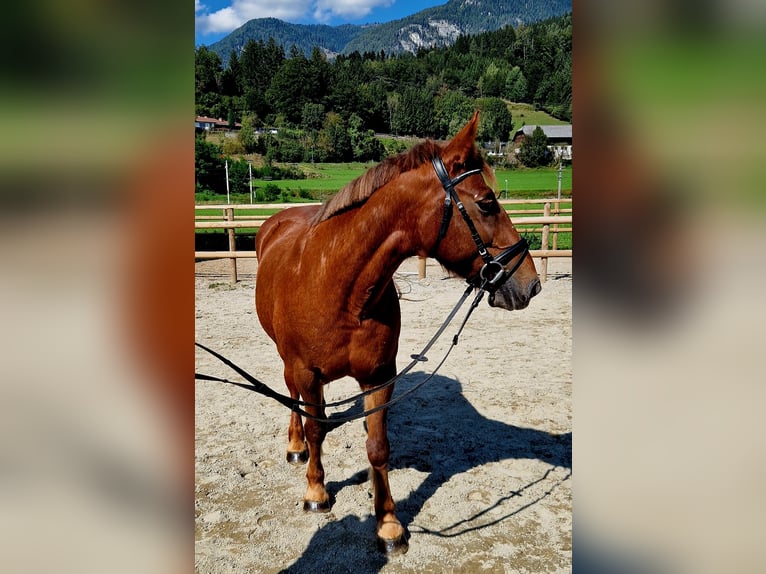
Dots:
(495, 122)
(259, 63)
(207, 71)
(208, 167)
(492, 81)
(415, 113)
(210, 104)
(366, 147)
(334, 139)
(317, 74)
(393, 102)
(247, 133)
(554, 93)
(371, 106)
(288, 92)
(348, 73)
(273, 58)
(312, 117)
(339, 138)
(516, 85)
(534, 149)
(231, 78)
(253, 86)
(207, 76)
(250, 63)
(452, 110)
(239, 176)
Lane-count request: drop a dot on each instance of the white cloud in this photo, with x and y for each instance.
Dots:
(240, 11)
(325, 9)
(224, 20)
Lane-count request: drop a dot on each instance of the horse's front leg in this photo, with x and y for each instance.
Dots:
(316, 498)
(391, 534)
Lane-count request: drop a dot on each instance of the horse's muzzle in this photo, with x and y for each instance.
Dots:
(513, 297)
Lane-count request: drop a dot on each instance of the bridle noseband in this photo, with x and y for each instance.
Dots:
(493, 273)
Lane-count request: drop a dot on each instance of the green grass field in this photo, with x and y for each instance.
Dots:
(326, 179)
(533, 183)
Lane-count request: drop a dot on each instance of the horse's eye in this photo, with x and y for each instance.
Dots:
(488, 205)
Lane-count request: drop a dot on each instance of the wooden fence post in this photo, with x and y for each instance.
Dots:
(544, 244)
(421, 267)
(232, 245)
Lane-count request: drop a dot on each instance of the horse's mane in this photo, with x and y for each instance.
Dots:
(359, 190)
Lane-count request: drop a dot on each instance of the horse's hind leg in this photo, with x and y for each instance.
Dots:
(391, 534)
(297, 452)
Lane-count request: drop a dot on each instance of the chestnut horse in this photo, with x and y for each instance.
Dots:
(325, 292)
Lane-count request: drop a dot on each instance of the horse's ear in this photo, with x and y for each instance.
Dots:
(463, 144)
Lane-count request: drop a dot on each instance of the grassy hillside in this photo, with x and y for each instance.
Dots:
(525, 114)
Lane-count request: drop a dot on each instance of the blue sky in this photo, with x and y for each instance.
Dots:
(215, 19)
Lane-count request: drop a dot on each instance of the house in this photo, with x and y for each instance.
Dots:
(494, 148)
(203, 123)
(559, 139)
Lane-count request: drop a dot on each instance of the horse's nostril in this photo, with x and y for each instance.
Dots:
(535, 288)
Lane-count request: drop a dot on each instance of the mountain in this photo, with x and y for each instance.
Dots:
(441, 25)
(436, 26)
(331, 39)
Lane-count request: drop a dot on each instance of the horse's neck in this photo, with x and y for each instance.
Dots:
(375, 242)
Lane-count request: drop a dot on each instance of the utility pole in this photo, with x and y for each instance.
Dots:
(226, 167)
(250, 173)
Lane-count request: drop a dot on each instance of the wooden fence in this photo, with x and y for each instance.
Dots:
(554, 217)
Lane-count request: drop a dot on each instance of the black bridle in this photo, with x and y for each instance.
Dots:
(490, 277)
(493, 272)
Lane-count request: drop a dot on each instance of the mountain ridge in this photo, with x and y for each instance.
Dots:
(431, 27)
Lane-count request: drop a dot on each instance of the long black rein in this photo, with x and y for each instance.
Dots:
(335, 421)
(489, 278)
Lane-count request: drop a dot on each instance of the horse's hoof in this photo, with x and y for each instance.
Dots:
(393, 547)
(314, 506)
(297, 458)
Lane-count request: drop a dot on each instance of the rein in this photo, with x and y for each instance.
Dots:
(490, 277)
(295, 405)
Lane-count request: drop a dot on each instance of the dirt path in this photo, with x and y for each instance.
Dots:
(481, 456)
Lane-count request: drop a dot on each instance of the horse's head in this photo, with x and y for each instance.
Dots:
(455, 247)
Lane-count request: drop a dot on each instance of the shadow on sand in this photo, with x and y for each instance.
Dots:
(438, 432)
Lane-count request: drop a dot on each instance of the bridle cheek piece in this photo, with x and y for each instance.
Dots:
(493, 273)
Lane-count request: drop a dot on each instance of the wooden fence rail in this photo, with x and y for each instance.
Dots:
(549, 223)
(255, 223)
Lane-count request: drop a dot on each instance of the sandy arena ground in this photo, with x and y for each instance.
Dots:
(481, 455)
